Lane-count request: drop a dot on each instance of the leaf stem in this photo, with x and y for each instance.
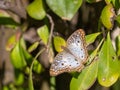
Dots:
(31, 87)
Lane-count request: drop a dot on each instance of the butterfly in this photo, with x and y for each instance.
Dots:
(73, 57)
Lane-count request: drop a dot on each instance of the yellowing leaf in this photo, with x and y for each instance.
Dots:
(91, 38)
(43, 33)
(58, 42)
(36, 10)
(107, 16)
(33, 46)
(12, 41)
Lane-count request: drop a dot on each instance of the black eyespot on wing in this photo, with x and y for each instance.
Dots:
(78, 41)
(62, 64)
(81, 56)
(75, 59)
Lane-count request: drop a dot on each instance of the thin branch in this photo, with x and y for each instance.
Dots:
(51, 32)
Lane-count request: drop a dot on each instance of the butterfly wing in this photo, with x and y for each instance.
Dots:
(77, 46)
(65, 62)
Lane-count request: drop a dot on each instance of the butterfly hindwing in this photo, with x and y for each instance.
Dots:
(77, 46)
(73, 56)
(65, 62)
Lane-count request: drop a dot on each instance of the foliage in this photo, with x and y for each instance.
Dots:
(103, 66)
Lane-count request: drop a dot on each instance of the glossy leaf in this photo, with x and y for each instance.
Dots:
(65, 9)
(108, 64)
(91, 38)
(86, 78)
(116, 3)
(107, 16)
(58, 42)
(36, 10)
(43, 33)
(17, 56)
(33, 46)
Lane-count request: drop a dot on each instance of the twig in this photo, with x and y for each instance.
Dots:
(51, 32)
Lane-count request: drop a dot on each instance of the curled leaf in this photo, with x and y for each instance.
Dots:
(107, 16)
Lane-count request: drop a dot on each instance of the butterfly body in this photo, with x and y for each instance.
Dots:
(73, 57)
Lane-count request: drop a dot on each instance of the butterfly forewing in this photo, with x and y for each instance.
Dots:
(77, 46)
(65, 62)
(73, 56)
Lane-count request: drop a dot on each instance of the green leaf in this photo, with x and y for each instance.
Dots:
(108, 1)
(116, 86)
(36, 10)
(86, 78)
(43, 33)
(37, 67)
(107, 16)
(33, 46)
(58, 42)
(12, 41)
(92, 1)
(118, 46)
(94, 54)
(91, 38)
(8, 21)
(5, 88)
(17, 56)
(118, 19)
(116, 3)
(108, 66)
(19, 77)
(53, 83)
(65, 9)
